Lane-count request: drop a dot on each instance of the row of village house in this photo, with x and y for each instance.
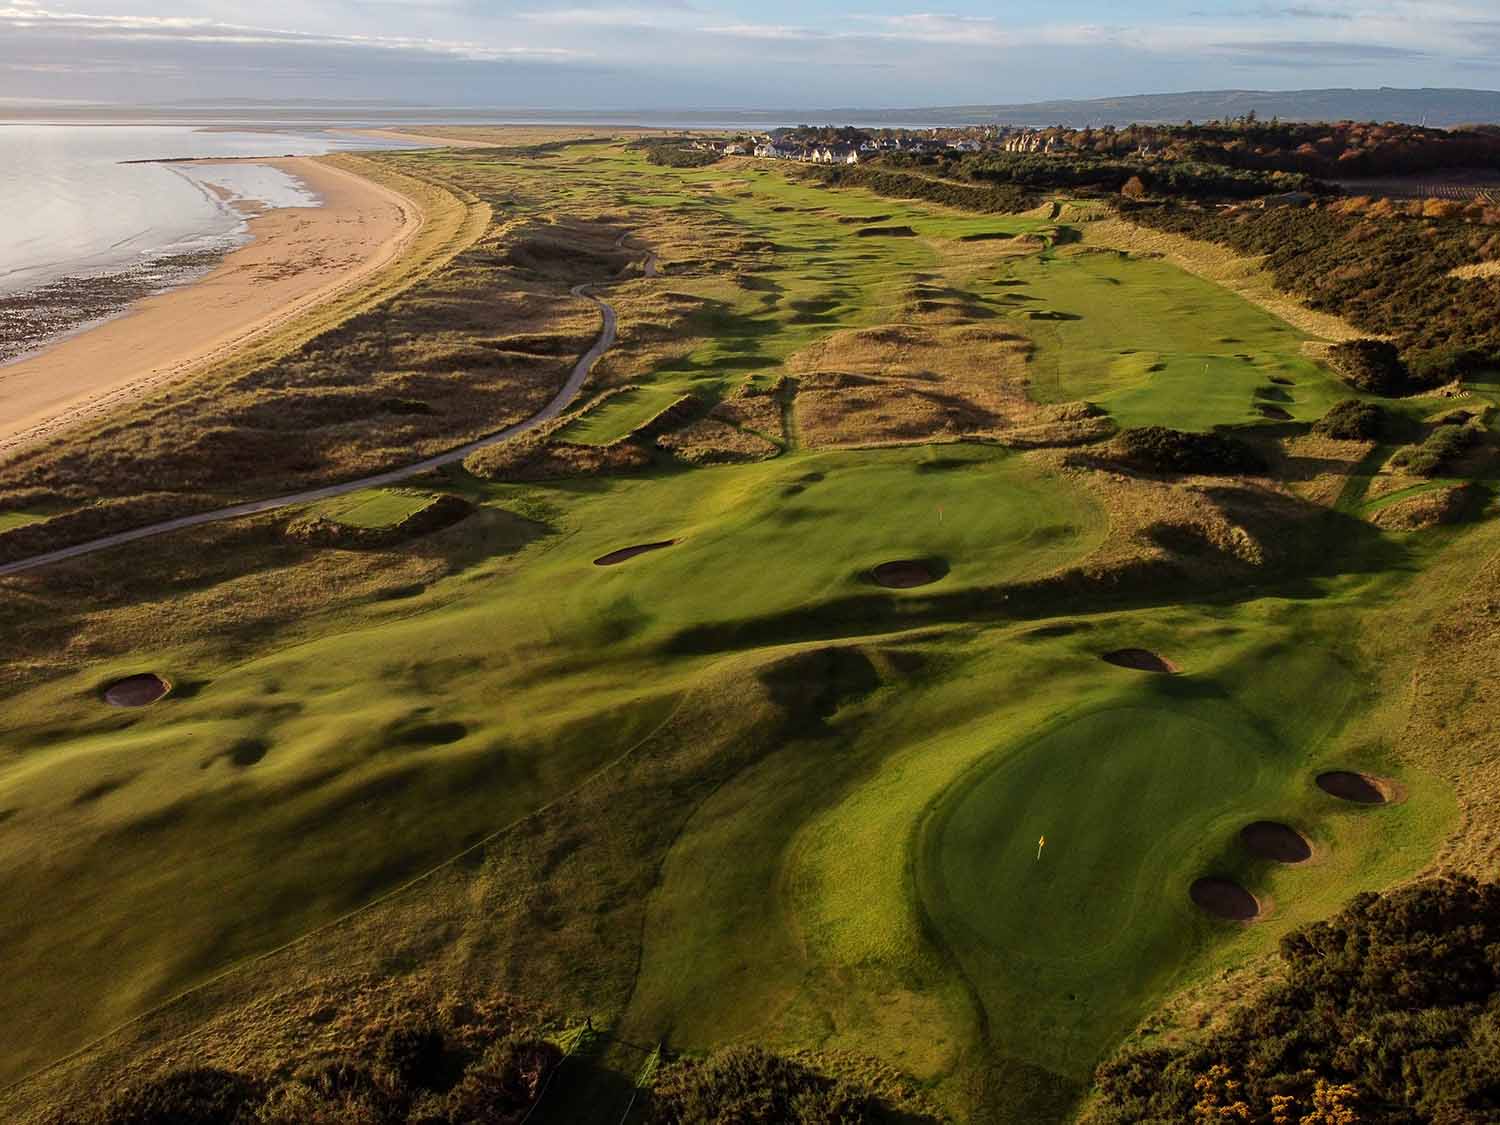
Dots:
(836, 153)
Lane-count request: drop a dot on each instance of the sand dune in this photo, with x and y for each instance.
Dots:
(300, 257)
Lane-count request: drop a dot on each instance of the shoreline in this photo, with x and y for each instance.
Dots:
(297, 258)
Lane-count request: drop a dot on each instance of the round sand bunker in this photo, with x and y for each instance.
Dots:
(1142, 660)
(1360, 788)
(1270, 839)
(137, 690)
(1224, 898)
(904, 574)
(630, 552)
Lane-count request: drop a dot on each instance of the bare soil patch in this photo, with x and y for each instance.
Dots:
(904, 574)
(1360, 788)
(625, 553)
(137, 691)
(1140, 659)
(1270, 839)
(1224, 898)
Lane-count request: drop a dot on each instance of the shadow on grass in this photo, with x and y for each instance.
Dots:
(1317, 546)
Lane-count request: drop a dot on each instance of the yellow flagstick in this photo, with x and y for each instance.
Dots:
(1041, 842)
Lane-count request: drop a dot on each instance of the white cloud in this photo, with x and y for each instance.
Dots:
(658, 51)
(765, 31)
(609, 17)
(184, 29)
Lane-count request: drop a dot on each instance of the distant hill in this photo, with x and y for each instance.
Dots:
(1433, 106)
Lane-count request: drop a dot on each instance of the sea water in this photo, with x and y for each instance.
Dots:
(73, 206)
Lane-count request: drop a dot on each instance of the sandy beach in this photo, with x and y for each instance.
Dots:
(438, 138)
(299, 257)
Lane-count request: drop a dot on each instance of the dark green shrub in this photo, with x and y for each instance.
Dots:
(751, 1086)
(1397, 997)
(1443, 446)
(1182, 451)
(883, 180)
(680, 156)
(1432, 367)
(1372, 365)
(1352, 420)
(415, 1054)
(501, 1088)
(204, 1096)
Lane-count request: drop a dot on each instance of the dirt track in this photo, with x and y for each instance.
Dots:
(558, 404)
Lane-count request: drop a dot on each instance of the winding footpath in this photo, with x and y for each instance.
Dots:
(559, 403)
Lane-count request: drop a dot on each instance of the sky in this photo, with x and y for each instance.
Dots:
(771, 54)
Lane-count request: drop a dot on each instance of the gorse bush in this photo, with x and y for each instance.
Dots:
(1190, 179)
(1182, 451)
(680, 156)
(200, 1096)
(1440, 449)
(750, 1086)
(1387, 1013)
(1352, 420)
(1372, 365)
(987, 198)
(415, 1054)
(413, 1074)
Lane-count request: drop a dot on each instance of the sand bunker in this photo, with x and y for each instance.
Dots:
(903, 574)
(1141, 659)
(1275, 412)
(630, 552)
(137, 690)
(1272, 840)
(1224, 898)
(1360, 788)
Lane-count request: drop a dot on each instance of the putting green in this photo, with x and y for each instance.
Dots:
(375, 507)
(1124, 798)
(615, 417)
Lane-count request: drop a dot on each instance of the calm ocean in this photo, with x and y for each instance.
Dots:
(69, 207)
